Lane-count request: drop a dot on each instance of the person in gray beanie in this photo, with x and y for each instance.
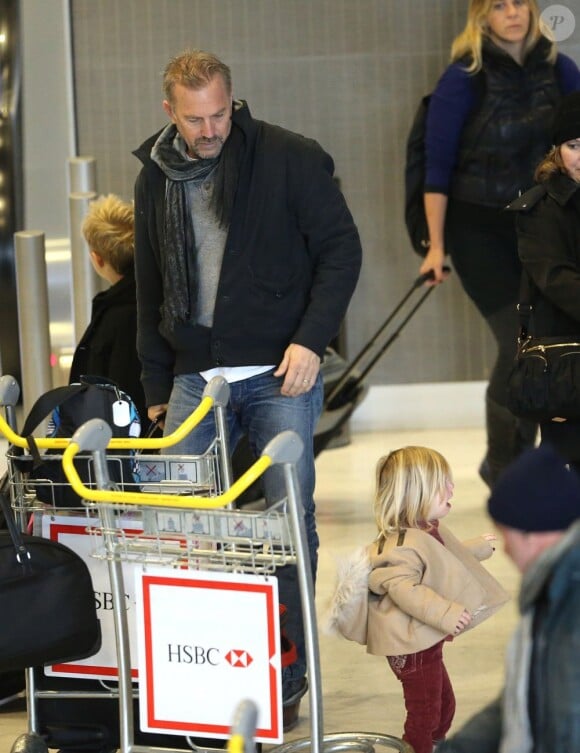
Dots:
(536, 507)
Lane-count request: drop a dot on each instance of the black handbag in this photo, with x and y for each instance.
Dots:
(544, 382)
(47, 600)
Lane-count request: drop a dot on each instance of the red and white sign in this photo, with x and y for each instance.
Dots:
(72, 532)
(206, 642)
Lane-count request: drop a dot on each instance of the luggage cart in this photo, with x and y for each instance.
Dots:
(208, 474)
(278, 538)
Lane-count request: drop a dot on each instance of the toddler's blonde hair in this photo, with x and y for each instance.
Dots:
(407, 481)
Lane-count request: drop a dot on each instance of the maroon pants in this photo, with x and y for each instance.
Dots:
(429, 698)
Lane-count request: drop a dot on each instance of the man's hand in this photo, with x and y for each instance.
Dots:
(300, 367)
(154, 412)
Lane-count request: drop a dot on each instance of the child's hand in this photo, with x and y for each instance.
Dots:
(462, 622)
(489, 537)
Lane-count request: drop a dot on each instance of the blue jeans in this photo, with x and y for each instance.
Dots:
(258, 409)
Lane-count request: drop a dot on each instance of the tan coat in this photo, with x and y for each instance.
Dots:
(419, 589)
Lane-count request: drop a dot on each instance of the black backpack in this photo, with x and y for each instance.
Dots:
(415, 218)
(69, 407)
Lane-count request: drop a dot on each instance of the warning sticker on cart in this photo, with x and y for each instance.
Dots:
(207, 641)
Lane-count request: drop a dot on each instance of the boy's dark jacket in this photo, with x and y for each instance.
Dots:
(108, 347)
(290, 264)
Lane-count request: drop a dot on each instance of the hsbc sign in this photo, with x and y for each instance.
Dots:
(206, 642)
(202, 655)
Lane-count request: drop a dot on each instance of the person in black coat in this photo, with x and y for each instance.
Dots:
(548, 227)
(108, 347)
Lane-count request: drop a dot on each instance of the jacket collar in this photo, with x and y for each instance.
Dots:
(561, 188)
(538, 53)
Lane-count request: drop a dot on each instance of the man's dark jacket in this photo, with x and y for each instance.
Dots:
(291, 261)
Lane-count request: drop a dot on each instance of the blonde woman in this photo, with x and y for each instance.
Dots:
(424, 588)
(488, 127)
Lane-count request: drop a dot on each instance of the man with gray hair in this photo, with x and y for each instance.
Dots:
(246, 260)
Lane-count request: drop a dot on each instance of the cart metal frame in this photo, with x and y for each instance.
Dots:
(281, 541)
(285, 449)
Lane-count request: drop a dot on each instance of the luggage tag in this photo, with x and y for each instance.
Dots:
(121, 413)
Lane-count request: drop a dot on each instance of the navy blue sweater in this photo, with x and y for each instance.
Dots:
(455, 97)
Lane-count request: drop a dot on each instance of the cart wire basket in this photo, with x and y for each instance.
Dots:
(130, 459)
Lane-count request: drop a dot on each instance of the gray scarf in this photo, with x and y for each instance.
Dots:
(180, 285)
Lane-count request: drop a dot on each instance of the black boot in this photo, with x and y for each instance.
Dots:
(507, 437)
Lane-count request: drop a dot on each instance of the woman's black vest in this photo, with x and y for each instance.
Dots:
(509, 133)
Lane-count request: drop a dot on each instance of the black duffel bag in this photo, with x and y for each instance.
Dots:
(47, 600)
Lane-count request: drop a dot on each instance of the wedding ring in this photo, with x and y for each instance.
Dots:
(306, 381)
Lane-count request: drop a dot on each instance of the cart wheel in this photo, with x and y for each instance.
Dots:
(348, 742)
(29, 743)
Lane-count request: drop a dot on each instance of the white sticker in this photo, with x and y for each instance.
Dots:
(560, 21)
(121, 413)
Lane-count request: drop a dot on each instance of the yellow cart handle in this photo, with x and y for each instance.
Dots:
(159, 500)
(216, 393)
(95, 435)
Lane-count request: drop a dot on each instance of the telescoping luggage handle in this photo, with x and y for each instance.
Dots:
(345, 378)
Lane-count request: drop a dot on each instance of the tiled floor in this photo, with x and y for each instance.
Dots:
(359, 691)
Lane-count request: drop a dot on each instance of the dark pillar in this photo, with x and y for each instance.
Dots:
(11, 181)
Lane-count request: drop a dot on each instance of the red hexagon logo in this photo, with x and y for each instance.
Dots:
(239, 658)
